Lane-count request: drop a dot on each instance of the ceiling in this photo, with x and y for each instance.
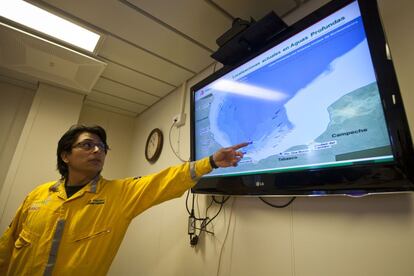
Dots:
(152, 47)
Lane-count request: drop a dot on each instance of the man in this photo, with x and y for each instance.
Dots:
(75, 226)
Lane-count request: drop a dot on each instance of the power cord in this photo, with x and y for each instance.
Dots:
(214, 67)
(220, 202)
(278, 206)
(193, 219)
(173, 150)
(225, 238)
(209, 205)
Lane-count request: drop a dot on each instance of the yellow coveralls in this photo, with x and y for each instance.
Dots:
(54, 235)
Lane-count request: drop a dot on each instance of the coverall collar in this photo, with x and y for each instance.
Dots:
(60, 189)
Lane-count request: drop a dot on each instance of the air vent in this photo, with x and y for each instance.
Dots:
(47, 61)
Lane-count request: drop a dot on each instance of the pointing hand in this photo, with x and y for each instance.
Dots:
(230, 156)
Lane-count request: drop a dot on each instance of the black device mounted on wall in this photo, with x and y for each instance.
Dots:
(321, 104)
(245, 38)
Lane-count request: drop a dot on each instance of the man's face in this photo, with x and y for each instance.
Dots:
(87, 156)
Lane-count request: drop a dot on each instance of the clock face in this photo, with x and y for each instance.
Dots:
(153, 146)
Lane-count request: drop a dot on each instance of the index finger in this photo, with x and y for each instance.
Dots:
(241, 145)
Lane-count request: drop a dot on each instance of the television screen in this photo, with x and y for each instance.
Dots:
(313, 101)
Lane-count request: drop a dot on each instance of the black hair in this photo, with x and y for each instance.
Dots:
(66, 142)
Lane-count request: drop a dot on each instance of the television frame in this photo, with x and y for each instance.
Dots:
(355, 180)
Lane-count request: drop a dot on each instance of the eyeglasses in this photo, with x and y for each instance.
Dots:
(90, 145)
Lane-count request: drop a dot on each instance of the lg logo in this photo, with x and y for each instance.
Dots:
(259, 183)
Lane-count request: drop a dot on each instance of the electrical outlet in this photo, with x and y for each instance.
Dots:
(179, 120)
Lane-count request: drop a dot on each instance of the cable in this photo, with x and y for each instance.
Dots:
(221, 206)
(198, 205)
(214, 67)
(192, 220)
(203, 229)
(220, 202)
(278, 206)
(169, 139)
(188, 210)
(208, 207)
(225, 237)
(186, 202)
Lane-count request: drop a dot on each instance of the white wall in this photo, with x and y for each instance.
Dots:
(52, 112)
(15, 101)
(119, 131)
(313, 236)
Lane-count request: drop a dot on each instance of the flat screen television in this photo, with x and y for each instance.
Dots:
(321, 106)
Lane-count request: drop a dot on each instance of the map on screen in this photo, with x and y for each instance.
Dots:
(310, 101)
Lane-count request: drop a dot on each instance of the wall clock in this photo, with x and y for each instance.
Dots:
(153, 146)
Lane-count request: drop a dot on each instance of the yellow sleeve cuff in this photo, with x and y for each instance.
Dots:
(203, 166)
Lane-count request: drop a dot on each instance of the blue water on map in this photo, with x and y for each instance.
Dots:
(245, 118)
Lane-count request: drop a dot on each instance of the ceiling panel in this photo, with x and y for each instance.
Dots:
(134, 79)
(197, 19)
(111, 108)
(120, 90)
(116, 50)
(256, 9)
(120, 103)
(152, 47)
(122, 20)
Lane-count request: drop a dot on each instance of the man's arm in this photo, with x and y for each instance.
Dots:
(144, 192)
(172, 182)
